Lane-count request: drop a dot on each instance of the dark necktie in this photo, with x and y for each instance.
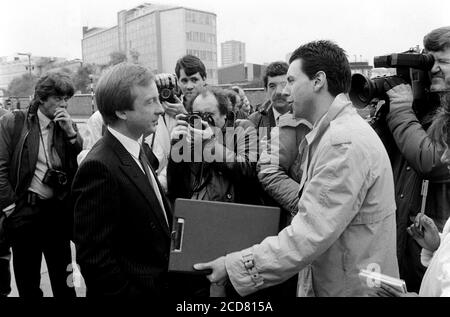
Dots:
(55, 161)
(145, 165)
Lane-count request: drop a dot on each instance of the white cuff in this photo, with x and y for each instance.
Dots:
(8, 210)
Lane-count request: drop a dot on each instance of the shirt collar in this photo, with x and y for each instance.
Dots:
(339, 103)
(276, 114)
(43, 119)
(133, 147)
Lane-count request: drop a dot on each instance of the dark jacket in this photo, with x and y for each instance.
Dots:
(263, 118)
(220, 181)
(120, 233)
(18, 158)
(415, 158)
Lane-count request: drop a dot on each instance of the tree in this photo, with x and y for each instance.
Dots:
(117, 57)
(81, 78)
(134, 56)
(23, 85)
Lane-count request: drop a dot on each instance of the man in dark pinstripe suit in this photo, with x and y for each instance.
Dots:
(122, 219)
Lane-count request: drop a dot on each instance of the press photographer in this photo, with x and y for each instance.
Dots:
(213, 159)
(412, 99)
(38, 150)
(177, 92)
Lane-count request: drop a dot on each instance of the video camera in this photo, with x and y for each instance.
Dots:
(411, 66)
(168, 92)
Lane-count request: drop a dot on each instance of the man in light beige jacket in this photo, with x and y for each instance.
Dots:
(346, 212)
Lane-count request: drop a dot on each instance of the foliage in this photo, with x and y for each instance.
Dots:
(117, 57)
(81, 79)
(22, 86)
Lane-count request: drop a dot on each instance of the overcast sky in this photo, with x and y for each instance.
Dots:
(270, 28)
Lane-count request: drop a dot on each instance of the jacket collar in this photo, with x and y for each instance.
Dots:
(339, 104)
(134, 173)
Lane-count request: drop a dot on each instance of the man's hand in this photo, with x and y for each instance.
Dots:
(65, 121)
(173, 109)
(180, 130)
(428, 239)
(399, 93)
(205, 134)
(165, 80)
(386, 290)
(219, 273)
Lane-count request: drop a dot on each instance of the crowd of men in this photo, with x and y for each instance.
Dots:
(347, 203)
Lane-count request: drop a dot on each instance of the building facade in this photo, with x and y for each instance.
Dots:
(241, 73)
(156, 36)
(233, 52)
(361, 68)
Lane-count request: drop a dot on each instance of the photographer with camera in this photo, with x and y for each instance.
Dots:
(212, 158)
(177, 92)
(421, 179)
(38, 150)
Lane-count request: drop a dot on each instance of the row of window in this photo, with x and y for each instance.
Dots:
(211, 73)
(200, 18)
(201, 37)
(203, 55)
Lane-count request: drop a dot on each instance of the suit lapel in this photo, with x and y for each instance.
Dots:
(167, 206)
(138, 178)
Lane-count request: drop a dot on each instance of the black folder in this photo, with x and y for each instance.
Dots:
(204, 230)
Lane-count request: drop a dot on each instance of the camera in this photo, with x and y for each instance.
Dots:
(55, 179)
(411, 66)
(194, 119)
(168, 92)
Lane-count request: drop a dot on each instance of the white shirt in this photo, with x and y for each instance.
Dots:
(133, 147)
(93, 133)
(436, 281)
(276, 115)
(36, 185)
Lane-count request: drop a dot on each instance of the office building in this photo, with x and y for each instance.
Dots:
(241, 73)
(155, 36)
(233, 52)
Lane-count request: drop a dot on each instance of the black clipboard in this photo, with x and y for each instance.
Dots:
(204, 230)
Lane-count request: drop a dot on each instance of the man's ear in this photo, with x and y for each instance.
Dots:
(320, 80)
(121, 115)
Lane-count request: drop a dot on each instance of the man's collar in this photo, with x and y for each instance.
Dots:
(339, 103)
(132, 146)
(43, 119)
(276, 114)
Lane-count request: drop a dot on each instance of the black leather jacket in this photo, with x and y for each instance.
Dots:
(18, 157)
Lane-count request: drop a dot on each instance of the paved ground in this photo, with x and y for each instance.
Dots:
(78, 281)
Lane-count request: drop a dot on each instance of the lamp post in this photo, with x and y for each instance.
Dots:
(29, 60)
(91, 78)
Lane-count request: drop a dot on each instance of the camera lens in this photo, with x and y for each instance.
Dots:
(195, 121)
(62, 179)
(165, 93)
